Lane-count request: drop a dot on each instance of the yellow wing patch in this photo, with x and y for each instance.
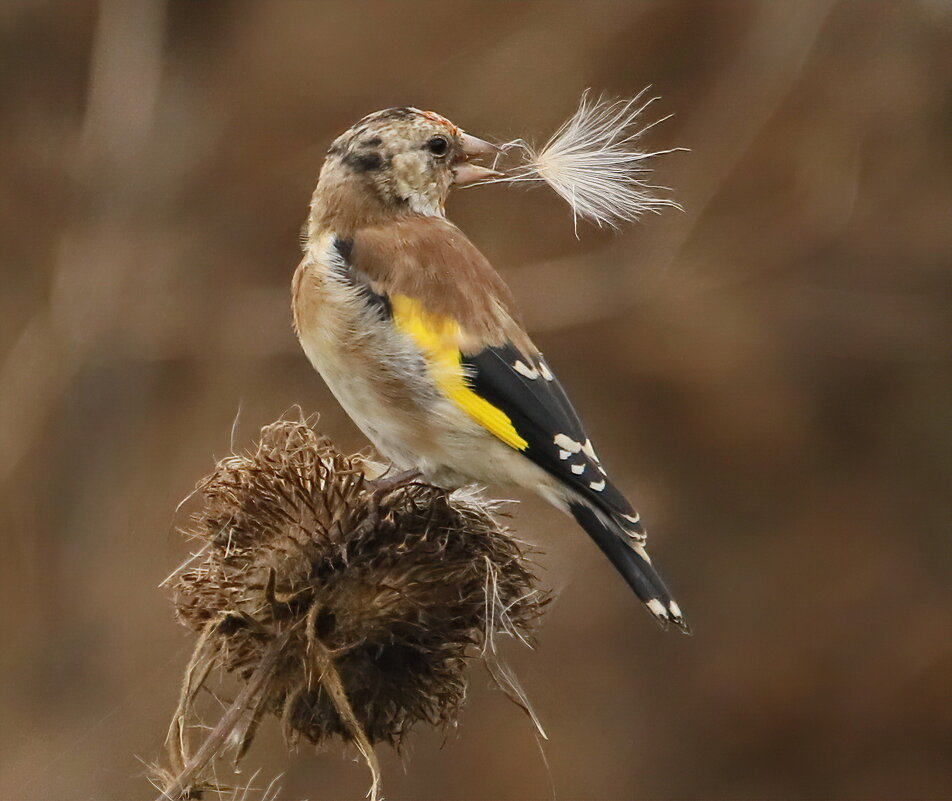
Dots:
(439, 337)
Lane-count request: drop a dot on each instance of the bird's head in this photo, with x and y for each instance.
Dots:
(399, 161)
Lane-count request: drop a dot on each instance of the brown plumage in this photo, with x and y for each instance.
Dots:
(416, 336)
(430, 259)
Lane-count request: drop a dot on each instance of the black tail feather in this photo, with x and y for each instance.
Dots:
(631, 560)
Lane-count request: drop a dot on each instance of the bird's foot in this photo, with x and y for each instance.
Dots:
(388, 483)
(382, 487)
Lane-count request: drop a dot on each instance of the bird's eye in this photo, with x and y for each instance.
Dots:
(438, 145)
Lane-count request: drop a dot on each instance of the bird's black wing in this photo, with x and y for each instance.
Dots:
(527, 391)
(516, 397)
(531, 396)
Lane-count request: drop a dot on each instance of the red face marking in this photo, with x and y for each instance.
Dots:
(434, 117)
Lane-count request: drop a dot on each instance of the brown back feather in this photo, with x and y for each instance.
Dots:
(431, 260)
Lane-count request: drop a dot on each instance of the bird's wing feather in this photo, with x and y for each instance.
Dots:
(443, 293)
(517, 398)
(523, 386)
(480, 359)
(525, 389)
(440, 338)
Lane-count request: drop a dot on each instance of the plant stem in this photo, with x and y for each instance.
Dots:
(215, 742)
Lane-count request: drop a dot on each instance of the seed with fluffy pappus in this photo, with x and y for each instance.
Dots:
(383, 594)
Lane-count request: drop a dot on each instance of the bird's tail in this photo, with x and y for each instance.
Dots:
(631, 560)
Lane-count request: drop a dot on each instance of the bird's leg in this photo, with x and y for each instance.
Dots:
(382, 487)
(386, 483)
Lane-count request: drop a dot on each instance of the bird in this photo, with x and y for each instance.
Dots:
(418, 338)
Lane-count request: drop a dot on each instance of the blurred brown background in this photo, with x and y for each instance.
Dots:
(767, 373)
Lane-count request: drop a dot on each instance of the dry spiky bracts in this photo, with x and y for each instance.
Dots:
(346, 607)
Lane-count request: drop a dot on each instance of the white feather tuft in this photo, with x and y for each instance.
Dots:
(593, 162)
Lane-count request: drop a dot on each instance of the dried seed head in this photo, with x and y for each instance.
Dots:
(381, 596)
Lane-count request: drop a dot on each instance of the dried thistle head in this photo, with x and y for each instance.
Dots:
(368, 603)
(594, 163)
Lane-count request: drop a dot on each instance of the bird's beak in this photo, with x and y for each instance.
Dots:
(465, 172)
(477, 147)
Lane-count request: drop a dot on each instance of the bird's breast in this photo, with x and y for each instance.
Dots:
(376, 373)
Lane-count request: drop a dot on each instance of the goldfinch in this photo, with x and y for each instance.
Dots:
(417, 337)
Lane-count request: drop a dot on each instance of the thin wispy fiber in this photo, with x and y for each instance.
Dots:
(594, 162)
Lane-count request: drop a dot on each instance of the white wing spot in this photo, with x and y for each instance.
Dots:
(598, 486)
(675, 610)
(589, 451)
(563, 455)
(545, 372)
(657, 608)
(578, 469)
(633, 519)
(640, 550)
(523, 369)
(566, 443)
